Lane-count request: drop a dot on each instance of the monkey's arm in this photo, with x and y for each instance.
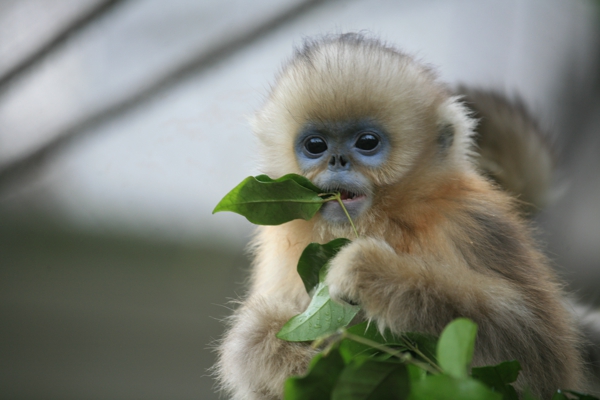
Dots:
(253, 363)
(408, 292)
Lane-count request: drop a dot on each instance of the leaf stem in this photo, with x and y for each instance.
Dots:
(369, 342)
(429, 367)
(338, 198)
(416, 350)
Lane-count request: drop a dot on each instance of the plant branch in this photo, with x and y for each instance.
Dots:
(415, 349)
(434, 369)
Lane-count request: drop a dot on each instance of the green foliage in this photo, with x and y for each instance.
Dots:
(322, 316)
(421, 346)
(445, 387)
(381, 366)
(349, 349)
(455, 347)
(360, 362)
(368, 378)
(314, 257)
(265, 201)
(499, 378)
(576, 395)
(319, 381)
(559, 396)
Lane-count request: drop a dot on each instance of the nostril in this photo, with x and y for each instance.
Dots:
(339, 161)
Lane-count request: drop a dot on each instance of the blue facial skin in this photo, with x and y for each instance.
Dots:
(341, 146)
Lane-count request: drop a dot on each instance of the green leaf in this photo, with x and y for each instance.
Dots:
(299, 179)
(314, 257)
(499, 377)
(503, 373)
(426, 344)
(581, 396)
(527, 395)
(369, 379)
(559, 396)
(455, 347)
(349, 349)
(444, 387)
(264, 201)
(322, 316)
(318, 381)
(415, 373)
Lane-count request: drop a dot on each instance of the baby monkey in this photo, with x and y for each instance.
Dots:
(438, 238)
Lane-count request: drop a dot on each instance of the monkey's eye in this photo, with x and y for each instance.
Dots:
(315, 145)
(367, 142)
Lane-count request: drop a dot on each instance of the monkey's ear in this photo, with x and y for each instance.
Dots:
(445, 136)
(454, 132)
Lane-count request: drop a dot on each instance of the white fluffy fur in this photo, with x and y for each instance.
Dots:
(437, 242)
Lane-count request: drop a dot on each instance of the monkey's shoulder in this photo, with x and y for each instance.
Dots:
(471, 218)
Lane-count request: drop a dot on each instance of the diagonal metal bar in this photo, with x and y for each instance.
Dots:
(36, 159)
(71, 29)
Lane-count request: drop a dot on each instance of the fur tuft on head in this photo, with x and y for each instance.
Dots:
(351, 77)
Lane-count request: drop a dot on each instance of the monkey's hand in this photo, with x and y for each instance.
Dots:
(370, 273)
(407, 292)
(253, 363)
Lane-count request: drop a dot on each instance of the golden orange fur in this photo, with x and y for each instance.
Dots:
(437, 242)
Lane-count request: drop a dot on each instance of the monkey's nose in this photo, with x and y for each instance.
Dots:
(338, 162)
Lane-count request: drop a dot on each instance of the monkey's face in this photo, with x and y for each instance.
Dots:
(361, 120)
(337, 155)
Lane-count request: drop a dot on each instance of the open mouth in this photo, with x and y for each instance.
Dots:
(354, 204)
(350, 196)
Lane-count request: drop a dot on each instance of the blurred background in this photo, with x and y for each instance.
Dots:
(123, 122)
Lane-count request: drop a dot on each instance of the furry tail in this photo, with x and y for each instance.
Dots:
(512, 149)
